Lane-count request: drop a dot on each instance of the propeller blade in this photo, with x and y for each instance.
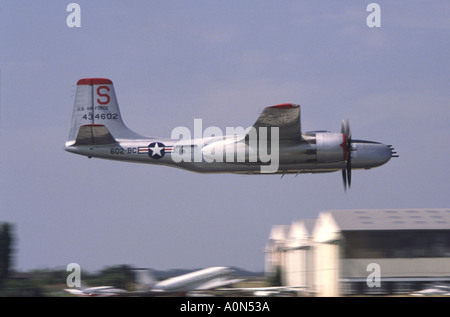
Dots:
(349, 132)
(349, 172)
(344, 178)
(345, 128)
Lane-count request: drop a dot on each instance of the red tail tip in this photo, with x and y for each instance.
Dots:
(285, 106)
(94, 81)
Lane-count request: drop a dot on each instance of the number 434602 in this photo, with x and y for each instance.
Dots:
(103, 116)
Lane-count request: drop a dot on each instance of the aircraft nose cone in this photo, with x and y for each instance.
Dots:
(383, 154)
(371, 154)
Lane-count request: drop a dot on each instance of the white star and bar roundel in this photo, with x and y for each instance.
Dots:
(155, 150)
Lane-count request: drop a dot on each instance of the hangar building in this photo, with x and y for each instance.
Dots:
(362, 251)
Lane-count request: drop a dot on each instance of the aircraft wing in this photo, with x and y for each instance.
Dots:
(263, 291)
(76, 292)
(284, 116)
(96, 291)
(217, 282)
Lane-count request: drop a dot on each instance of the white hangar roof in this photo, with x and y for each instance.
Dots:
(391, 219)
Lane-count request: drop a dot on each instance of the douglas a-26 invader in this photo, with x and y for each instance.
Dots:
(274, 144)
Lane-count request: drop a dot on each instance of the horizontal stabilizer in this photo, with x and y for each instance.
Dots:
(94, 134)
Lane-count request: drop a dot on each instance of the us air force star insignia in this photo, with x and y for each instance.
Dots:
(156, 150)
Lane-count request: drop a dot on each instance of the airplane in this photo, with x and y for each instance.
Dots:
(100, 291)
(97, 130)
(434, 290)
(186, 284)
(200, 280)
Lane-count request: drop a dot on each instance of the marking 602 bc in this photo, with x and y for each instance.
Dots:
(121, 150)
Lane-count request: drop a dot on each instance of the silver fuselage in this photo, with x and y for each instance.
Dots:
(316, 153)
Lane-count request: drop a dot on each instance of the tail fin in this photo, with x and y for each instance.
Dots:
(96, 116)
(144, 279)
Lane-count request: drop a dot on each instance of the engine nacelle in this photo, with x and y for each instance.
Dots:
(331, 147)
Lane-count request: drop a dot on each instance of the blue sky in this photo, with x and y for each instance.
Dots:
(223, 62)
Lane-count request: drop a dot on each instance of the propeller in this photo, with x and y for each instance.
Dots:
(347, 171)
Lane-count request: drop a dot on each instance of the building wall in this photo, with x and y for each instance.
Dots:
(326, 254)
(298, 259)
(298, 270)
(274, 250)
(399, 267)
(326, 269)
(274, 258)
